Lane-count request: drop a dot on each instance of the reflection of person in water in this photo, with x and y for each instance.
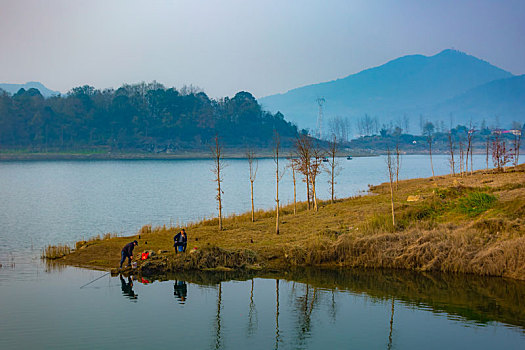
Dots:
(180, 291)
(127, 287)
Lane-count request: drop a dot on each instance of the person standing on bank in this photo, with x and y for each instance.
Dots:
(181, 240)
(127, 252)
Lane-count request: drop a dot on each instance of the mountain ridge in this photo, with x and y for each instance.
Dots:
(412, 84)
(13, 88)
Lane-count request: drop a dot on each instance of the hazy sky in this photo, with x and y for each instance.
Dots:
(264, 47)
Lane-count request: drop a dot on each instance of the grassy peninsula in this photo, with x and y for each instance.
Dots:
(471, 224)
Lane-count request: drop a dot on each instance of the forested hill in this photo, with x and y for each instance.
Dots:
(141, 117)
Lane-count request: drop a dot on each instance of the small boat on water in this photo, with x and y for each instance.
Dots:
(348, 157)
(325, 159)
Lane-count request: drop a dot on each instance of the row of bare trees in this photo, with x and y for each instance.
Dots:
(306, 159)
(495, 145)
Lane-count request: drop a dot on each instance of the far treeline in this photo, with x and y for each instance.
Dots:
(373, 138)
(135, 118)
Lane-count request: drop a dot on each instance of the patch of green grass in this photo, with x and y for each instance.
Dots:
(475, 203)
(452, 192)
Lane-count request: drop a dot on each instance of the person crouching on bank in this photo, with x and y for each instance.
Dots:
(127, 252)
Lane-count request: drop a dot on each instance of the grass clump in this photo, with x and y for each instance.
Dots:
(52, 252)
(378, 223)
(452, 192)
(475, 203)
(145, 229)
(214, 257)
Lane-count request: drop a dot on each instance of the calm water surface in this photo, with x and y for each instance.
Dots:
(44, 306)
(302, 310)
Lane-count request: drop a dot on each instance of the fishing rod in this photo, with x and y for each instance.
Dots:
(96, 279)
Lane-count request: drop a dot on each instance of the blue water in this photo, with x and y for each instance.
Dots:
(351, 310)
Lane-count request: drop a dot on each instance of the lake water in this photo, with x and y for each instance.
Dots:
(44, 306)
(307, 309)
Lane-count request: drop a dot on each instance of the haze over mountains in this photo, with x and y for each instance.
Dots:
(449, 85)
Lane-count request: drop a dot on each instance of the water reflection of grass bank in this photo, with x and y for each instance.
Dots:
(481, 299)
(472, 224)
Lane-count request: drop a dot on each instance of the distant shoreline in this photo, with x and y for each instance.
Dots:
(114, 156)
(233, 154)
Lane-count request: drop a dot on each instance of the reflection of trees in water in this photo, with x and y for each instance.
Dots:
(218, 339)
(478, 298)
(252, 313)
(333, 308)
(389, 346)
(277, 338)
(304, 305)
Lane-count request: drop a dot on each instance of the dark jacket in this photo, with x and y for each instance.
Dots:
(179, 239)
(128, 249)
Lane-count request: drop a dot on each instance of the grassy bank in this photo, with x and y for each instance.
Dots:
(472, 224)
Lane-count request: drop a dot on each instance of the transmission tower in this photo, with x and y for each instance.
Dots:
(320, 101)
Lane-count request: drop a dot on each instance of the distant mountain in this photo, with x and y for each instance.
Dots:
(504, 98)
(410, 85)
(13, 88)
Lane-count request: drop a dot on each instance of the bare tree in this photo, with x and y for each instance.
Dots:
(250, 155)
(398, 162)
(218, 166)
(428, 130)
(316, 166)
(367, 125)
(500, 153)
(303, 152)
(294, 165)
(340, 127)
(487, 147)
(516, 131)
(391, 171)
(278, 177)
(471, 159)
(333, 165)
(470, 134)
(406, 123)
(451, 151)
(461, 157)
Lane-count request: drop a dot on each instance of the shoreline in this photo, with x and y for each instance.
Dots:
(432, 234)
(229, 154)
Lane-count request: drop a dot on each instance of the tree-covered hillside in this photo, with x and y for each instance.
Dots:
(140, 117)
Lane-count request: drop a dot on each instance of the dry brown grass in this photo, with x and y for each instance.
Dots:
(433, 234)
(52, 252)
